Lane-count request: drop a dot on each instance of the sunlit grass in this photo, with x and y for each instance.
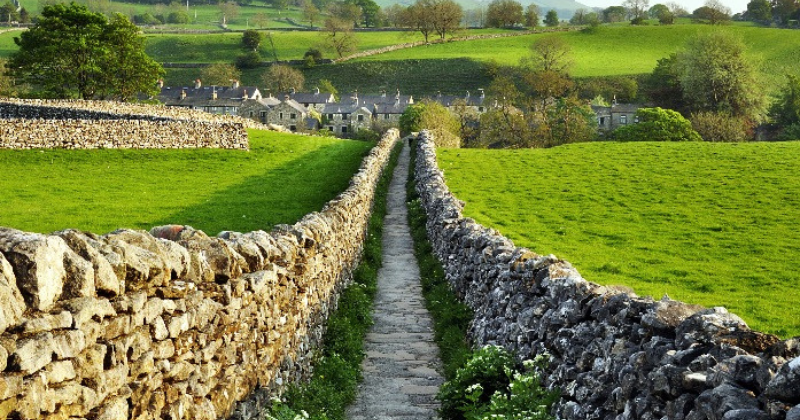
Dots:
(281, 178)
(712, 224)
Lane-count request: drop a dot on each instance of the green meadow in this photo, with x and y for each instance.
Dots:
(707, 223)
(282, 178)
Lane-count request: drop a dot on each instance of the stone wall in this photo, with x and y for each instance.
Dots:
(614, 355)
(172, 323)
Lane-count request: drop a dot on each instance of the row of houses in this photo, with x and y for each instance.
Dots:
(301, 111)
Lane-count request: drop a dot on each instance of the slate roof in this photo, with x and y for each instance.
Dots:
(204, 95)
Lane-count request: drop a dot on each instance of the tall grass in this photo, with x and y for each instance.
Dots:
(281, 178)
(711, 224)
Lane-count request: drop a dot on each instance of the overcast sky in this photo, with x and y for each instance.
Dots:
(737, 6)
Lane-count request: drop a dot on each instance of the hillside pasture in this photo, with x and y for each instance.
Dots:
(706, 223)
(282, 178)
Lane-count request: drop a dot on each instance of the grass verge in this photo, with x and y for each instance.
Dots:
(337, 372)
(450, 316)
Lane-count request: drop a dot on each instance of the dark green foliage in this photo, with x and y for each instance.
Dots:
(663, 85)
(786, 109)
(624, 88)
(251, 39)
(551, 18)
(249, 60)
(490, 367)
(433, 116)
(759, 11)
(178, 18)
(337, 372)
(721, 127)
(656, 124)
(8, 13)
(74, 53)
(146, 19)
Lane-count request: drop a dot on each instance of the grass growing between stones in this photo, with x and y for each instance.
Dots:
(338, 371)
(282, 178)
(450, 316)
(706, 223)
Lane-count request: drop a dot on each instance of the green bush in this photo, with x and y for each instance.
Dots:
(493, 386)
(180, 18)
(657, 124)
(250, 60)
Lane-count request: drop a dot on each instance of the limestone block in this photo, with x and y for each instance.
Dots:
(85, 245)
(109, 381)
(88, 308)
(59, 371)
(47, 322)
(141, 268)
(38, 263)
(152, 310)
(68, 344)
(12, 304)
(33, 353)
(144, 365)
(163, 349)
(7, 406)
(31, 402)
(80, 279)
(115, 409)
(177, 257)
(159, 329)
(10, 385)
(115, 327)
(89, 364)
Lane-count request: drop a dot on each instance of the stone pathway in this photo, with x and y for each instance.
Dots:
(401, 371)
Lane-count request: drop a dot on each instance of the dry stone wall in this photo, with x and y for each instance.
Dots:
(614, 355)
(172, 323)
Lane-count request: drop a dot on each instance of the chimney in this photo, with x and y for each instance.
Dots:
(410, 100)
(183, 94)
(397, 96)
(161, 83)
(235, 84)
(197, 84)
(244, 95)
(317, 91)
(214, 94)
(483, 95)
(467, 95)
(292, 91)
(383, 94)
(285, 97)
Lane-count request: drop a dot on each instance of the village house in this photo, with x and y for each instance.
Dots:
(317, 100)
(609, 118)
(225, 100)
(291, 114)
(346, 118)
(467, 104)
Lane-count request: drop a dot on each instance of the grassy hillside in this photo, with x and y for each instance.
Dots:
(712, 224)
(281, 178)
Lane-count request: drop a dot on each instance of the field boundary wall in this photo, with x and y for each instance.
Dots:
(614, 355)
(172, 323)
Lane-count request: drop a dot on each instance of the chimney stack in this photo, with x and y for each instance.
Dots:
(214, 94)
(244, 95)
(160, 83)
(483, 95)
(197, 84)
(183, 94)
(235, 84)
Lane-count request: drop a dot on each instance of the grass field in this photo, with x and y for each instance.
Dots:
(706, 223)
(282, 178)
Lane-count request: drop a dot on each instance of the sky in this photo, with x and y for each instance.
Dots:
(736, 6)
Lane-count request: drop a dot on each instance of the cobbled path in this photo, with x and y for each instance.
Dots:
(401, 371)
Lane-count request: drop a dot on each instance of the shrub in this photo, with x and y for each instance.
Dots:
(657, 124)
(720, 127)
(492, 386)
(429, 115)
(180, 18)
(791, 132)
(249, 60)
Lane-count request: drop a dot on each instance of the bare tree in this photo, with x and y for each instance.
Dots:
(549, 53)
(447, 15)
(339, 36)
(282, 78)
(637, 9)
(310, 13)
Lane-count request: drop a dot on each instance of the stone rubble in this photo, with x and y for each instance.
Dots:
(172, 323)
(614, 355)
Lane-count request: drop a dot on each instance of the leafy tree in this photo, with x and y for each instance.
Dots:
(504, 13)
(720, 127)
(663, 85)
(785, 10)
(228, 11)
(637, 9)
(394, 15)
(623, 88)
(657, 10)
(432, 116)
(310, 13)
(339, 36)
(551, 18)
(657, 124)
(677, 9)
(146, 19)
(370, 12)
(72, 52)
(24, 16)
(261, 20)
(178, 18)
(550, 53)
(251, 39)
(713, 12)
(220, 74)
(447, 15)
(249, 60)
(716, 76)
(282, 78)
(786, 109)
(614, 14)
(8, 13)
(7, 86)
(532, 16)
(346, 13)
(418, 16)
(759, 11)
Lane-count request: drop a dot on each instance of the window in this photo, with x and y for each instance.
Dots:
(293, 116)
(293, 127)
(360, 117)
(344, 130)
(345, 116)
(623, 119)
(385, 116)
(280, 116)
(636, 119)
(330, 116)
(480, 109)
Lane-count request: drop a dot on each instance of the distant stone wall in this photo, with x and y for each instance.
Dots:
(614, 355)
(171, 323)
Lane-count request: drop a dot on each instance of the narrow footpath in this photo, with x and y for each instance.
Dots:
(401, 371)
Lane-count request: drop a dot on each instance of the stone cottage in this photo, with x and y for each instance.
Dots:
(225, 100)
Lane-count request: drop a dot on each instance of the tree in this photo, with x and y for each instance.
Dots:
(251, 39)
(339, 36)
(786, 109)
(394, 15)
(657, 124)
(8, 13)
(220, 74)
(785, 10)
(657, 10)
(677, 9)
(418, 16)
(7, 86)
(614, 14)
(310, 13)
(261, 20)
(759, 11)
(584, 17)
(282, 78)
(720, 127)
(715, 75)
(504, 13)
(346, 13)
(637, 9)
(370, 13)
(663, 85)
(550, 53)
(713, 12)
(532, 16)
(228, 11)
(72, 52)
(178, 18)
(434, 117)
(447, 15)
(551, 18)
